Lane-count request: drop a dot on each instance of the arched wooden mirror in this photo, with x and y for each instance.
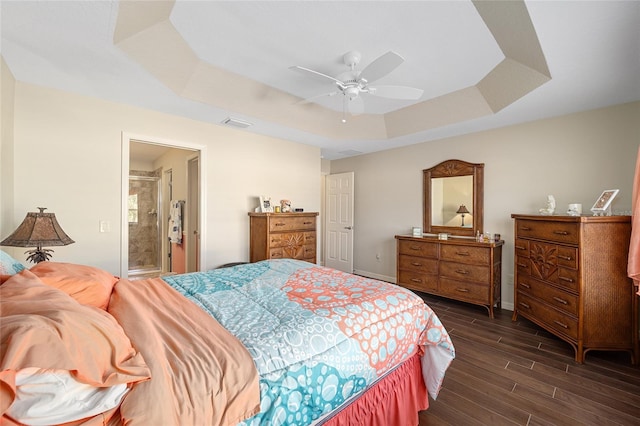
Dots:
(453, 198)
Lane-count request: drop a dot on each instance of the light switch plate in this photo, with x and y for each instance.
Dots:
(105, 226)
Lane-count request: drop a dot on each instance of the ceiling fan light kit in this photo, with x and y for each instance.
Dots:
(352, 83)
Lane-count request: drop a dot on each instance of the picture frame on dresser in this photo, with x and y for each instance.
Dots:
(603, 203)
(265, 204)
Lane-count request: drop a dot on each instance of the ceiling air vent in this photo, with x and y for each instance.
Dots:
(234, 122)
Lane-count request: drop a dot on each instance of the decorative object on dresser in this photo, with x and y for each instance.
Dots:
(283, 236)
(570, 277)
(550, 208)
(456, 268)
(265, 205)
(602, 206)
(447, 188)
(38, 229)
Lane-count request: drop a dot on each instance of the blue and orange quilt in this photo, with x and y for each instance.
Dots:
(318, 336)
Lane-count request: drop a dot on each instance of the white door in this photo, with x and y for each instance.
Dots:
(339, 221)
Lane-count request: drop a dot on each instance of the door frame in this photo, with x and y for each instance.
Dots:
(124, 229)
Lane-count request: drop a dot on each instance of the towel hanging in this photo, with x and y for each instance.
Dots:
(175, 221)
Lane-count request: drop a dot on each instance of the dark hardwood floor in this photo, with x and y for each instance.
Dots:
(515, 373)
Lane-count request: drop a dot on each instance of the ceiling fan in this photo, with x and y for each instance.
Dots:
(352, 83)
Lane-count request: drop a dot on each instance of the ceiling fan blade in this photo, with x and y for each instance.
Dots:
(317, 74)
(382, 66)
(396, 92)
(314, 98)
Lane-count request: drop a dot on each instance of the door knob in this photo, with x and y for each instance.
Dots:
(348, 227)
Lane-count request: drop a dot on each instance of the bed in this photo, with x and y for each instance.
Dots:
(274, 342)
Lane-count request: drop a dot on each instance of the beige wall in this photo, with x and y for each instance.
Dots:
(68, 158)
(7, 95)
(573, 157)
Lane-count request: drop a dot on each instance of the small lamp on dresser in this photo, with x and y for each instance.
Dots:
(38, 229)
(462, 210)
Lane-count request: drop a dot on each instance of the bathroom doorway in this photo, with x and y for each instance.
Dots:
(160, 167)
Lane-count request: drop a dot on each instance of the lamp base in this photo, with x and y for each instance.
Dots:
(38, 255)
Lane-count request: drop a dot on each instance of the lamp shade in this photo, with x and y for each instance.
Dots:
(38, 229)
(462, 210)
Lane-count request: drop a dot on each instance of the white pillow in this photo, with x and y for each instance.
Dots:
(45, 397)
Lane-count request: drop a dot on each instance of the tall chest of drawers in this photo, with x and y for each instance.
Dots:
(458, 268)
(570, 277)
(282, 236)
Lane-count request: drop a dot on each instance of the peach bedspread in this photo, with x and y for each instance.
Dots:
(200, 373)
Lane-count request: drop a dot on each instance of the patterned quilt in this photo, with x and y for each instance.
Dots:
(317, 335)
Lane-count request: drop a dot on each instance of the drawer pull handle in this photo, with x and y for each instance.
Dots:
(561, 232)
(565, 257)
(524, 305)
(462, 253)
(559, 300)
(520, 247)
(561, 324)
(415, 248)
(416, 264)
(416, 280)
(569, 280)
(276, 255)
(526, 228)
(524, 285)
(280, 224)
(307, 223)
(462, 272)
(522, 265)
(462, 290)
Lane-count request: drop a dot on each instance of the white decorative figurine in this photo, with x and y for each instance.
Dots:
(551, 206)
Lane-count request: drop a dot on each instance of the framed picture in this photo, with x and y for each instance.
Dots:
(604, 201)
(265, 204)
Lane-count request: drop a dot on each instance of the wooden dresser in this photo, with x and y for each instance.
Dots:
(282, 236)
(457, 268)
(570, 277)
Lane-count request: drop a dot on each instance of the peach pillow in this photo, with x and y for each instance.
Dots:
(42, 327)
(88, 285)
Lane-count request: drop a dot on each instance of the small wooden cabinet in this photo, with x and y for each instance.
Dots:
(282, 236)
(457, 268)
(570, 277)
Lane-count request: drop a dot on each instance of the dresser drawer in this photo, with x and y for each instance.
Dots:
(461, 271)
(418, 281)
(289, 239)
(568, 257)
(562, 300)
(293, 252)
(418, 248)
(521, 247)
(561, 232)
(464, 290)
(464, 254)
(288, 223)
(523, 265)
(556, 320)
(418, 264)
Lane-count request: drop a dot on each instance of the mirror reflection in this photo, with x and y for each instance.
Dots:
(452, 201)
(453, 198)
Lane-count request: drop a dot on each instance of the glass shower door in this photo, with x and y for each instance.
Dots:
(145, 253)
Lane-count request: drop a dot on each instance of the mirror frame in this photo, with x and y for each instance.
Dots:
(452, 168)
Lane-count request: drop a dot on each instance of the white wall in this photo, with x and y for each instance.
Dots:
(7, 96)
(68, 158)
(573, 157)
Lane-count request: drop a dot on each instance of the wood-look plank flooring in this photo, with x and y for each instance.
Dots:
(516, 373)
